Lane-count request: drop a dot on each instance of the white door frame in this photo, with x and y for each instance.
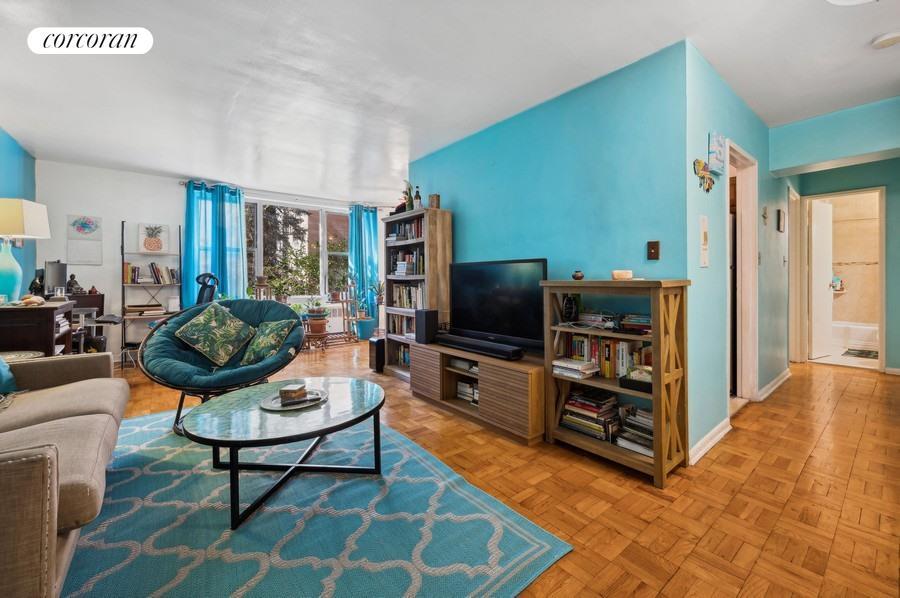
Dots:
(747, 208)
(799, 286)
(797, 268)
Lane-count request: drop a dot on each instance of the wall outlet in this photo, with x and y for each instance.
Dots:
(652, 250)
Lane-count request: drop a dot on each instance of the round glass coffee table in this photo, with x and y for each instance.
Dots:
(235, 420)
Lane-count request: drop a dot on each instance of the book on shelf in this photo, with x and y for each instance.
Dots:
(401, 325)
(592, 412)
(574, 364)
(144, 309)
(151, 273)
(408, 296)
(464, 364)
(575, 374)
(636, 323)
(406, 262)
(613, 357)
(467, 391)
(404, 231)
(636, 429)
(634, 446)
(403, 356)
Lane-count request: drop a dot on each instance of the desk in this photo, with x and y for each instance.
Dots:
(37, 328)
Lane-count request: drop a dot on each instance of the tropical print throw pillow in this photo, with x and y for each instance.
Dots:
(268, 339)
(216, 333)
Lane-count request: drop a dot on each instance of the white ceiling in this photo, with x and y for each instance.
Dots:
(331, 98)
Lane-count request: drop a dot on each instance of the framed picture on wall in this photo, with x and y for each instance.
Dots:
(84, 240)
(153, 238)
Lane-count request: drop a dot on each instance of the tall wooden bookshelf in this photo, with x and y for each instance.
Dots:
(136, 325)
(424, 236)
(668, 398)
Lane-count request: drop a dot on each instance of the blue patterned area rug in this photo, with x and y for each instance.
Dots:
(420, 529)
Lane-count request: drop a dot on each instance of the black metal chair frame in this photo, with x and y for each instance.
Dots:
(204, 394)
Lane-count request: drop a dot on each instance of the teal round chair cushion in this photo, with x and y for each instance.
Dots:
(176, 364)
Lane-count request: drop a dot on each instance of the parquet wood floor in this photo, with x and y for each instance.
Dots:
(801, 497)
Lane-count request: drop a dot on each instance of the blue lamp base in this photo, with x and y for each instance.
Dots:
(10, 273)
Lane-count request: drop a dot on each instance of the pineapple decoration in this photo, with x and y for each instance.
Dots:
(153, 242)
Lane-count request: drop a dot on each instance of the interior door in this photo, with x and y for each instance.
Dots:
(820, 274)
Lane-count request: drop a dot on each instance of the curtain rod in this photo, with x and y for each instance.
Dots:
(259, 195)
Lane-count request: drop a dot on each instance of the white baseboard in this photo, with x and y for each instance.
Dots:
(892, 371)
(772, 386)
(710, 440)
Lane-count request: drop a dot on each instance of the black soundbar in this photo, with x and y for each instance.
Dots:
(501, 351)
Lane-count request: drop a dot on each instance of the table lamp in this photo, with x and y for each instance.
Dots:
(19, 219)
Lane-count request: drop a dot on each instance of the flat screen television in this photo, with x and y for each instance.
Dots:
(499, 301)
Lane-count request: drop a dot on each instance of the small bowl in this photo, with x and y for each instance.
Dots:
(577, 275)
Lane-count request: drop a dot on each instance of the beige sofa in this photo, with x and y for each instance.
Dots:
(55, 443)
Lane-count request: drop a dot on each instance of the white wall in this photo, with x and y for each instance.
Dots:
(114, 196)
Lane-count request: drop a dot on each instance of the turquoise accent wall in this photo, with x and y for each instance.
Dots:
(713, 106)
(875, 174)
(860, 134)
(585, 179)
(17, 180)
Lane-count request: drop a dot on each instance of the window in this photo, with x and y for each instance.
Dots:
(337, 239)
(250, 233)
(284, 241)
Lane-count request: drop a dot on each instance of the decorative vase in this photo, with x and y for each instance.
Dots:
(577, 275)
(10, 273)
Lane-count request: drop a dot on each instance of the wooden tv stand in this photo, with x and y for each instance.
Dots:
(511, 393)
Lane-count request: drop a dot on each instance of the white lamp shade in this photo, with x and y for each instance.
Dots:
(23, 219)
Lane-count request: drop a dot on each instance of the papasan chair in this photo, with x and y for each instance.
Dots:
(169, 361)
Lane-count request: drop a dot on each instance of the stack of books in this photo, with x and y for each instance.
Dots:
(592, 412)
(636, 323)
(464, 364)
(636, 430)
(144, 309)
(467, 391)
(576, 369)
(62, 324)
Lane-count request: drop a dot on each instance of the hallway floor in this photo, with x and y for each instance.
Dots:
(802, 496)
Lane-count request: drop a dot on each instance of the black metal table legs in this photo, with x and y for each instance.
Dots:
(234, 467)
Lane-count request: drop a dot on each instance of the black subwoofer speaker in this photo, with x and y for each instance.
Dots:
(426, 325)
(376, 354)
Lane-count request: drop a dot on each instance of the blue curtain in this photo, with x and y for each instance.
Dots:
(214, 240)
(364, 254)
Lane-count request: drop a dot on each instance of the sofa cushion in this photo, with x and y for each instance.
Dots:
(85, 444)
(216, 334)
(106, 396)
(267, 341)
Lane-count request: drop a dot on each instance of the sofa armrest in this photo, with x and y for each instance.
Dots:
(29, 480)
(46, 372)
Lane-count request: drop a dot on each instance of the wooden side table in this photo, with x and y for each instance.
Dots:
(46, 328)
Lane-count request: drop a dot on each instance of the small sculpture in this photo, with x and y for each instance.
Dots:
(72, 287)
(93, 291)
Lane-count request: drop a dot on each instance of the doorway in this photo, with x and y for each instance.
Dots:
(844, 282)
(741, 228)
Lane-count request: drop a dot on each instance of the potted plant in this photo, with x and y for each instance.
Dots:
(317, 315)
(378, 289)
(365, 324)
